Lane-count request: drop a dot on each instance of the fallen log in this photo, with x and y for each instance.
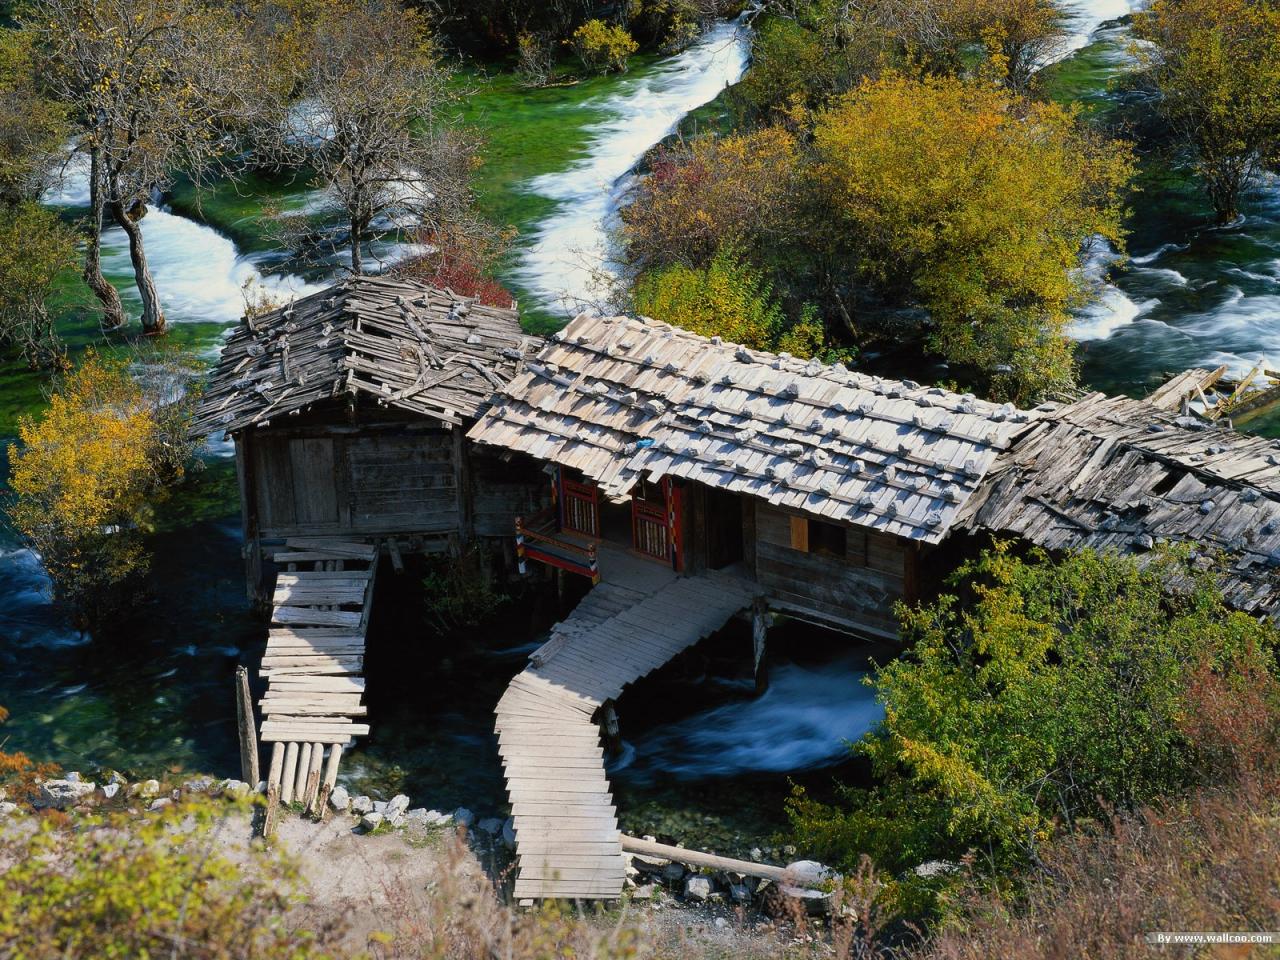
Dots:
(697, 858)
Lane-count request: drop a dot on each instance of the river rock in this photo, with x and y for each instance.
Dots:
(464, 817)
(673, 872)
(756, 854)
(61, 794)
(235, 789)
(73, 776)
(339, 799)
(697, 888)
(644, 891)
(649, 865)
(809, 883)
(490, 825)
(396, 806)
(509, 833)
(739, 893)
(109, 790)
(147, 788)
(159, 803)
(721, 923)
(117, 778)
(361, 805)
(935, 868)
(371, 820)
(198, 785)
(7, 808)
(380, 806)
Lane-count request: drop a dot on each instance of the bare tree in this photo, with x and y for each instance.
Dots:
(155, 88)
(368, 117)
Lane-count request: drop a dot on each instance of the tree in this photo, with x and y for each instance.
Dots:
(370, 94)
(603, 47)
(154, 87)
(35, 249)
(1216, 65)
(33, 128)
(88, 472)
(726, 298)
(1038, 694)
(967, 201)
(739, 191)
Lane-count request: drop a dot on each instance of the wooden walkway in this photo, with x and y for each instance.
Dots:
(315, 653)
(639, 617)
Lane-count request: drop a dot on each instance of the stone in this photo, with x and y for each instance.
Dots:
(396, 805)
(339, 799)
(756, 854)
(697, 888)
(380, 806)
(804, 881)
(644, 891)
(673, 872)
(739, 893)
(117, 778)
(490, 825)
(464, 817)
(438, 819)
(509, 833)
(73, 776)
(198, 785)
(109, 790)
(61, 794)
(371, 820)
(935, 868)
(7, 808)
(159, 804)
(721, 923)
(647, 864)
(361, 805)
(147, 788)
(235, 789)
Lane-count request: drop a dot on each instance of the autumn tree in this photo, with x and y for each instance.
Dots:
(973, 204)
(369, 117)
(33, 127)
(88, 471)
(154, 88)
(1216, 65)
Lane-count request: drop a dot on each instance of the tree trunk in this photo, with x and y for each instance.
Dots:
(112, 309)
(357, 253)
(128, 218)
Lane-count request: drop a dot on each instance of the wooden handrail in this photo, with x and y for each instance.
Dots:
(528, 539)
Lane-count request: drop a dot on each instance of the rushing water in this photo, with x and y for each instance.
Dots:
(569, 263)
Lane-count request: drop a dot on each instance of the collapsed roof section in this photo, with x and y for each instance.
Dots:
(403, 343)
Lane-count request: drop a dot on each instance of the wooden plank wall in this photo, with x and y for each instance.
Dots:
(502, 490)
(856, 591)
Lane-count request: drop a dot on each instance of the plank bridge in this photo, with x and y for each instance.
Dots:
(640, 616)
(312, 665)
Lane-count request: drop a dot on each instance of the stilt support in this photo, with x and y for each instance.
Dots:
(759, 633)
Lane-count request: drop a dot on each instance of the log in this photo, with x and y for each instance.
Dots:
(313, 777)
(249, 771)
(697, 858)
(330, 780)
(304, 765)
(290, 772)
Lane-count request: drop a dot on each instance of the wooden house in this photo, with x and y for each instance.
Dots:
(348, 409)
(828, 486)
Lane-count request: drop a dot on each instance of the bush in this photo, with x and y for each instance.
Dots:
(603, 47)
(35, 249)
(727, 298)
(535, 60)
(89, 471)
(1052, 694)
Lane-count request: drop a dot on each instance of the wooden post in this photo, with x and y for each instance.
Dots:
(609, 729)
(330, 780)
(759, 633)
(289, 774)
(273, 789)
(313, 777)
(520, 564)
(248, 733)
(304, 765)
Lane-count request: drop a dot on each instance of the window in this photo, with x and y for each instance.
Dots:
(815, 536)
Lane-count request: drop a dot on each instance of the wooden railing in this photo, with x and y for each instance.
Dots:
(650, 532)
(581, 508)
(536, 540)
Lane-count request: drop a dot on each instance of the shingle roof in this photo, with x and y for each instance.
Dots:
(621, 398)
(407, 344)
(1113, 473)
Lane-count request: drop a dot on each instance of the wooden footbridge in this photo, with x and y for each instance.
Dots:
(640, 616)
(313, 661)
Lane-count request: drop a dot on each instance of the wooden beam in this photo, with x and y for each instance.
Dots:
(248, 730)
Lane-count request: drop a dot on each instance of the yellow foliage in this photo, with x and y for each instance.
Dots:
(87, 473)
(603, 46)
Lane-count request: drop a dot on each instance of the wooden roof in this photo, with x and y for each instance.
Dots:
(407, 344)
(1113, 473)
(621, 398)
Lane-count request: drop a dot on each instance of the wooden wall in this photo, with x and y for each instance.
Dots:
(856, 591)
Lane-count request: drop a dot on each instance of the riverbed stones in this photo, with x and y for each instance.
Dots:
(809, 883)
(509, 833)
(396, 806)
(198, 785)
(144, 789)
(464, 817)
(361, 805)
(339, 799)
(235, 789)
(490, 825)
(109, 790)
(371, 821)
(697, 888)
(158, 804)
(8, 808)
(61, 794)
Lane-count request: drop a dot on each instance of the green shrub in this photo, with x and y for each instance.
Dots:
(1052, 693)
(603, 47)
